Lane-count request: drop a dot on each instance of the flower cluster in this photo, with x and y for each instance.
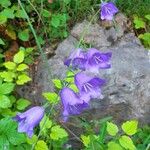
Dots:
(89, 86)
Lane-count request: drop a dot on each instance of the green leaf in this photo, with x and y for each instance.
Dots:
(9, 13)
(112, 129)
(41, 145)
(55, 22)
(19, 57)
(3, 19)
(22, 67)
(32, 140)
(5, 3)
(73, 87)
(58, 133)
(10, 65)
(57, 83)
(127, 142)
(52, 97)
(85, 140)
(20, 14)
(130, 127)
(114, 146)
(46, 13)
(139, 23)
(4, 101)
(6, 88)
(22, 79)
(70, 77)
(1, 42)
(7, 76)
(145, 37)
(24, 35)
(147, 16)
(22, 104)
(4, 143)
(45, 124)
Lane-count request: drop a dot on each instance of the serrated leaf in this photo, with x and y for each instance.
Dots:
(6, 88)
(22, 67)
(85, 140)
(7, 76)
(9, 13)
(22, 79)
(130, 127)
(22, 103)
(10, 65)
(24, 35)
(52, 97)
(19, 57)
(145, 37)
(58, 133)
(139, 23)
(4, 101)
(114, 146)
(57, 83)
(41, 145)
(112, 129)
(4, 143)
(127, 143)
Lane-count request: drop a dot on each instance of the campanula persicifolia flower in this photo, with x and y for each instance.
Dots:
(89, 87)
(29, 119)
(108, 10)
(72, 103)
(77, 59)
(97, 60)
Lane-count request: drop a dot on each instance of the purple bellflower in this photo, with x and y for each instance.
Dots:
(77, 59)
(108, 10)
(72, 103)
(29, 119)
(89, 87)
(97, 60)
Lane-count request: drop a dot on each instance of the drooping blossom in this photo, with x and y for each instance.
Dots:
(72, 103)
(108, 10)
(97, 60)
(77, 59)
(89, 87)
(29, 119)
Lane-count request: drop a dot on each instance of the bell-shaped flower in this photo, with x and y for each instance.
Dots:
(108, 10)
(89, 87)
(72, 103)
(77, 59)
(29, 119)
(97, 60)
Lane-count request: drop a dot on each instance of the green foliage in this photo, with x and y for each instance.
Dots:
(16, 70)
(130, 127)
(52, 97)
(143, 23)
(8, 134)
(58, 133)
(112, 129)
(22, 104)
(41, 145)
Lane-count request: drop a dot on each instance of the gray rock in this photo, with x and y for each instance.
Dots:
(126, 94)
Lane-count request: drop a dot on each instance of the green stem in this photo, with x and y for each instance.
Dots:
(86, 28)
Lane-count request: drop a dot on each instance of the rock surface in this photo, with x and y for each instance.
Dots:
(127, 94)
